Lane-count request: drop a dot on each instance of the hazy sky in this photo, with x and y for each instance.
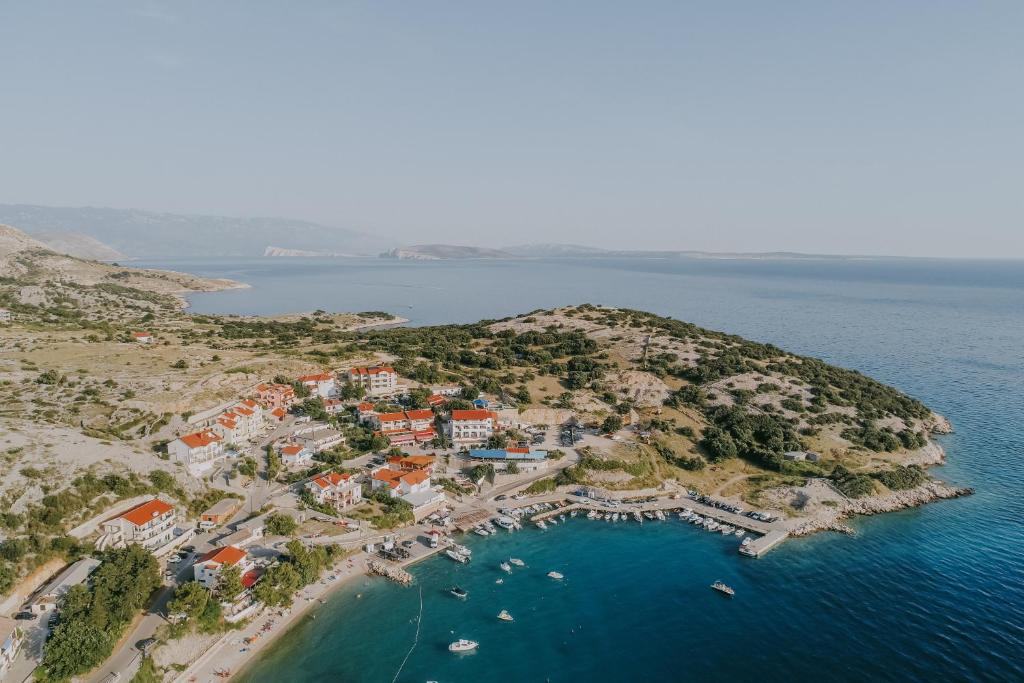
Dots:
(885, 127)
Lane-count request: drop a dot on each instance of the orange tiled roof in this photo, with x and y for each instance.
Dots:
(479, 414)
(228, 555)
(200, 439)
(330, 479)
(391, 417)
(318, 377)
(372, 371)
(423, 414)
(365, 407)
(144, 513)
(292, 449)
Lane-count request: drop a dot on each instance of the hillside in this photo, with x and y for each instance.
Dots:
(435, 252)
(147, 234)
(77, 244)
(39, 283)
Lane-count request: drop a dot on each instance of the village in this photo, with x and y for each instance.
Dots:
(423, 471)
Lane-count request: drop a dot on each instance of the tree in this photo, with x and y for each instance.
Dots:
(278, 585)
(352, 391)
(719, 444)
(179, 364)
(281, 525)
(512, 468)
(190, 599)
(229, 583)
(611, 424)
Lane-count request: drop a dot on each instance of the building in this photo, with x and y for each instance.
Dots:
(278, 414)
(472, 426)
(142, 337)
(446, 390)
(376, 381)
(11, 639)
(275, 395)
(412, 463)
(317, 437)
(198, 450)
(404, 427)
(241, 423)
(49, 597)
(149, 524)
(295, 455)
(219, 513)
(207, 568)
(333, 406)
(321, 384)
(435, 400)
(413, 487)
(340, 491)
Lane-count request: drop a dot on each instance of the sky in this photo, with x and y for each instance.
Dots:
(891, 128)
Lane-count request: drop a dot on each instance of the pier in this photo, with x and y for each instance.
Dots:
(769, 534)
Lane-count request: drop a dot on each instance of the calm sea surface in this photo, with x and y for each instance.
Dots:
(932, 594)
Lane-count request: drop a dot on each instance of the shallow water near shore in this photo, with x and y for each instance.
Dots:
(931, 594)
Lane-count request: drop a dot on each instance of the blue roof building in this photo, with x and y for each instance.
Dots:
(507, 454)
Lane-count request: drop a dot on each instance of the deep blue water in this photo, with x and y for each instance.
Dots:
(932, 594)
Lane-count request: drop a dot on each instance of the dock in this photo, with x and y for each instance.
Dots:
(467, 520)
(759, 546)
(769, 535)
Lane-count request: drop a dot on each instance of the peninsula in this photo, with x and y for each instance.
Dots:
(208, 468)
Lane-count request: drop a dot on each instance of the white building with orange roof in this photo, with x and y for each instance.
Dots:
(319, 384)
(340, 491)
(198, 450)
(412, 463)
(333, 406)
(414, 487)
(472, 426)
(207, 568)
(149, 524)
(142, 337)
(380, 380)
(275, 395)
(295, 455)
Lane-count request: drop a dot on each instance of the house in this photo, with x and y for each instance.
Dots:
(278, 414)
(390, 422)
(425, 503)
(275, 395)
(242, 422)
(11, 637)
(447, 390)
(142, 337)
(240, 538)
(399, 482)
(412, 463)
(340, 491)
(207, 568)
(376, 381)
(5, 316)
(472, 426)
(404, 427)
(794, 456)
(333, 406)
(317, 437)
(218, 513)
(198, 450)
(149, 524)
(243, 605)
(48, 599)
(320, 384)
(435, 400)
(419, 420)
(295, 455)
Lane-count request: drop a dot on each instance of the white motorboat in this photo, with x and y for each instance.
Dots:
(660, 515)
(722, 588)
(463, 645)
(462, 550)
(745, 542)
(505, 522)
(516, 561)
(458, 557)
(506, 567)
(739, 532)
(558, 576)
(541, 525)
(480, 531)
(505, 616)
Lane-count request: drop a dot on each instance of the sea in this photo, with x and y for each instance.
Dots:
(929, 594)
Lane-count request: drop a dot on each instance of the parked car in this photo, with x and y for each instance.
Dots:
(25, 615)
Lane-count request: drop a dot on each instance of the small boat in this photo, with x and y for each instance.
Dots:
(562, 517)
(591, 514)
(541, 525)
(745, 541)
(649, 515)
(726, 529)
(516, 561)
(499, 581)
(739, 532)
(462, 550)
(505, 616)
(458, 592)
(506, 567)
(722, 588)
(556, 575)
(573, 513)
(552, 520)
(637, 517)
(506, 522)
(458, 557)
(463, 645)
(660, 515)
(480, 531)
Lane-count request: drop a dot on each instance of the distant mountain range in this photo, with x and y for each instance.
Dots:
(433, 252)
(112, 234)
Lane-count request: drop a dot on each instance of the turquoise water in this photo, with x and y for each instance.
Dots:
(932, 594)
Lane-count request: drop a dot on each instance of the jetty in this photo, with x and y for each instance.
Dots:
(759, 546)
(388, 571)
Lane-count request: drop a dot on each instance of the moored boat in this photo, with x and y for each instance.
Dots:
(460, 593)
(505, 616)
(556, 575)
(463, 645)
(516, 561)
(457, 556)
(541, 525)
(506, 567)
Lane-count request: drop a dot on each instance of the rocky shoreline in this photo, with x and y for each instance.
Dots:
(928, 492)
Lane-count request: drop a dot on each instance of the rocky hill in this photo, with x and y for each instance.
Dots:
(436, 252)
